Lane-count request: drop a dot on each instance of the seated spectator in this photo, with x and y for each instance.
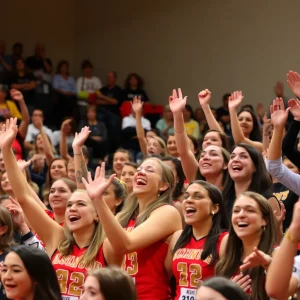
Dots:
(17, 52)
(8, 108)
(33, 131)
(97, 139)
(109, 101)
(166, 124)
(70, 128)
(87, 86)
(134, 87)
(200, 118)
(191, 126)
(24, 81)
(65, 96)
(5, 62)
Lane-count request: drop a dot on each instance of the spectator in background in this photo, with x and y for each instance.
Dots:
(97, 139)
(166, 124)
(223, 112)
(200, 118)
(8, 108)
(65, 93)
(134, 87)
(191, 126)
(70, 128)
(109, 101)
(17, 52)
(24, 81)
(33, 131)
(87, 86)
(5, 62)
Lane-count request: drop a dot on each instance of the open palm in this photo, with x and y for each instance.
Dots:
(204, 97)
(16, 95)
(137, 105)
(81, 137)
(176, 102)
(295, 108)
(8, 133)
(293, 80)
(278, 114)
(96, 187)
(256, 258)
(235, 100)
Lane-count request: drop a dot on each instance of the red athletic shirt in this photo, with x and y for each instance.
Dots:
(71, 272)
(147, 269)
(189, 270)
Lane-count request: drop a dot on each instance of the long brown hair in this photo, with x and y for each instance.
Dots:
(131, 207)
(229, 264)
(7, 239)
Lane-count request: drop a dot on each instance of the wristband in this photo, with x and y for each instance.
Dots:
(78, 153)
(289, 237)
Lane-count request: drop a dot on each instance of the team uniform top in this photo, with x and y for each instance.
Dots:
(189, 270)
(71, 272)
(146, 267)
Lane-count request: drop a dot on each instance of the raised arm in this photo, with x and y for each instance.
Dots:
(266, 132)
(162, 222)
(204, 99)
(17, 96)
(50, 232)
(188, 160)
(285, 285)
(80, 166)
(234, 102)
(137, 107)
(63, 146)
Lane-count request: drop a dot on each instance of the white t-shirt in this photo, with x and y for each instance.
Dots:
(32, 132)
(296, 269)
(89, 85)
(130, 121)
(56, 138)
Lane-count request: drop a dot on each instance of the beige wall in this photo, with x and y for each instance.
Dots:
(50, 22)
(192, 44)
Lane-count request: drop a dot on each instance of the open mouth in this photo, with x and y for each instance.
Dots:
(73, 219)
(141, 181)
(9, 286)
(206, 165)
(242, 224)
(189, 211)
(237, 168)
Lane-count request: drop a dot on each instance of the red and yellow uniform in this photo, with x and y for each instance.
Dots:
(189, 270)
(146, 267)
(71, 272)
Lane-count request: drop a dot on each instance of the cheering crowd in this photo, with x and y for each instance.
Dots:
(178, 208)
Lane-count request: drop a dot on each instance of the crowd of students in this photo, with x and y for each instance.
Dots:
(177, 219)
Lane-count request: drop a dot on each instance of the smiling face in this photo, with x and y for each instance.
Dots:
(197, 206)
(5, 185)
(120, 158)
(59, 195)
(58, 169)
(247, 219)
(246, 122)
(127, 176)
(81, 213)
(211, 138)
(153, 147)
(212, 161)
(240, 166)
(171, 146)
(91, 289)
(15, 278)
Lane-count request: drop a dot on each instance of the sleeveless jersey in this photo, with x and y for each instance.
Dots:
(147, 269)
(189, 270)
(71, 272)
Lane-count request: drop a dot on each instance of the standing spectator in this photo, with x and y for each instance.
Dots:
(87, 86)
(97, 139)
(109, 102)
(65, 96)
(166, 124)
(33, 130)
(223, 112)
(24, 81)
(134, 87)
(5, 62)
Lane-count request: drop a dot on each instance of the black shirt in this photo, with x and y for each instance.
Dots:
(36, 63)
(117, 93)
(129, 94)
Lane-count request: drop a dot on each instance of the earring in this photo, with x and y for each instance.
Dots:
(264, 227)
(213, 213)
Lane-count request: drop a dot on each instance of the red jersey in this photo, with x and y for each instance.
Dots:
(146, 267)
(189, 270)
(71, 272)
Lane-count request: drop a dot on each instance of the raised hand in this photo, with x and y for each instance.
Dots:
(281, 215)
(256, 258)
(23, 164)
(295, 108)
(16, 95)
(235, 100)
(293, 80)
(176, 102)
(204, 97)
(96, 187)
(244, 281)
(278, 114)
(65, 126)
(137, 105)
(80, 138)
(16, 212)
(8, 133)
(267, 125)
